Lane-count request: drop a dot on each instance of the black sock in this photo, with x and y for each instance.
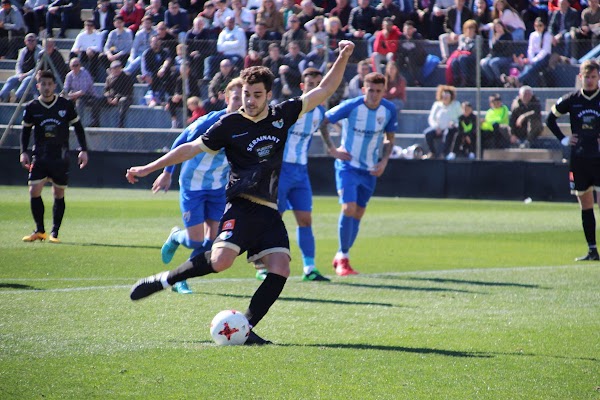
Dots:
(264, 297)
(589, 227)
(197, 266)
(37, 209)
(58, 211)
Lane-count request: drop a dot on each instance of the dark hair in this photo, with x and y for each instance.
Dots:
(311, 72)
(258, 74)
(47, 74)
(409, 23)
(274, 46)
(375, 77)
(589, 66)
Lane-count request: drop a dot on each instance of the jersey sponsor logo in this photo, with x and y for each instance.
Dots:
(278, 124)
(264, 151)
(241, 134)
(229, 225)
(225, 235)
(262, 139)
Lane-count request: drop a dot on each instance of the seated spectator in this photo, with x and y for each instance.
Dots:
(363, 68)
(132, 14)
(465, 144)
(118, 44)
(118, 90)
(65, 11)
(104, 16)
(454, 23)
(141, 43)
(243, 17)
(438, 17)
(483, 17)
(216, 88)
(156, 70)
(443, 122)
(342, 12)
(88, 47)
(274, 61)
(316, 27)
(394, 10)
(231, 44)
(295, 33)
(287, 9)
(462, 61)
(177, 20)
(253, 59)
(385, 46)
(309, 11)
(195, 108)
(421, 18)
(192, 90)
(202, 43)
(318, 58)
(395, 90)
(510, 18)
(494, 128)
(538, 57)
(273, 19)
(59, 66)
(156, 12)
(535, 9)
(290, 70)
(26, 62)
(500, 57)
(208, 13)
(12, 29)
(168, 41)
(561, 23)
(362, 27)
(333, 27)
(259, 41)
(525, 119)
(79, 88)
(34, 15)
(587, 35)
(411, 54)
(221, 13)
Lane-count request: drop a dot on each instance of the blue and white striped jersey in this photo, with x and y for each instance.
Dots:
(300, 136)
(205, 171)
(363, 130)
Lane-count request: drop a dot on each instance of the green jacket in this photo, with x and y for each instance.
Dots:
(495, 116)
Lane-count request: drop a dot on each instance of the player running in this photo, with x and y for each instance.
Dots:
(50, 117)
(202, 183)
(368, 121)
(583, 107)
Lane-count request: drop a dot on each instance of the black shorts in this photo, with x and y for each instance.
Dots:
(584, 174)
(251, 227)
(55, 169)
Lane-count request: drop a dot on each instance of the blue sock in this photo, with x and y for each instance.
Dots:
(306, 242)
(345, 231)
(201, 248)
(355, 227)
(182, 238)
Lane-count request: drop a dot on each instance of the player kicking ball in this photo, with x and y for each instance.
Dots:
(254, 140)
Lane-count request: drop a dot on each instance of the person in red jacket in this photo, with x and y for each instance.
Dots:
(385, 45)
(132, 15)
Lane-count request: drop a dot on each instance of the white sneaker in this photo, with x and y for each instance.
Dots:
(451, 156)
(471, 156)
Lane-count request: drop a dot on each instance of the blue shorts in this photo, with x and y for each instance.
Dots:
(354, 186)
(199, 205)
(294, 191)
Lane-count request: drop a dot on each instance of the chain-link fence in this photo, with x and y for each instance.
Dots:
(161, 91)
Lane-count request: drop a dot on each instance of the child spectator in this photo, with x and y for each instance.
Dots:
(465, 144)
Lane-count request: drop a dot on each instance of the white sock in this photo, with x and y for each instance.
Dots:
(308, 269)
(163, 279)
(341, 255)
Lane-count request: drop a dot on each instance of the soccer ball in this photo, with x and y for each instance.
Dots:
(229, 327)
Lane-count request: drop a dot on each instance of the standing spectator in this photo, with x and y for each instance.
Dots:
(132, 14)
(141, 43)
(118, 90)
(454, 22)
(411, 54)
(202, 43)
(156, 70)
(156, 12)
(561, 22)
(12, 28)
(221, 13)
(216, 88)
(118, 44)
(342, 11)
(243, 18)
(318, 58)
(79, 88)
(462, 61)
(184, 87)
(363, 68)
(87, 47)
(385, 46)
(538, 57)
(443, 121)
(395, 87)
(361, 27)
(50, 117)
(525, 119)
(104, 16)
(34, 15)
(510, 19)
(63, 11)
(494, 128)
(272, 18)
(232, 43)
(26, 62)
(438, 17)
(295, 33)
(309, 11)
(259, 41)
(499, 58)
(587, 36)
(177, 20)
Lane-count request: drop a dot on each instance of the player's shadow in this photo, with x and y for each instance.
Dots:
(307, 300)
(416, 350)
(16, 286)
(123, 246)
(405, 288)
(475, 283)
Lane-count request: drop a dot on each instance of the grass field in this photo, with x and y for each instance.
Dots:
(456, 300)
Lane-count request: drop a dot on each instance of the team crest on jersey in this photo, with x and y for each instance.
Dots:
(187, 215)
(229, 225)
(278, 124)
(225, 235)
(62, 113)
(380, 120)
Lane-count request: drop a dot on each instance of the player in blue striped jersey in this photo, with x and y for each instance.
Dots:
(368, 122)
(202, 182)
(295, 192)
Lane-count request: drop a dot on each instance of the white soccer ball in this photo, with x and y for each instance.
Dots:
(229, 327)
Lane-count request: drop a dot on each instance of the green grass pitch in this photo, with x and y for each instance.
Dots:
(456, 299)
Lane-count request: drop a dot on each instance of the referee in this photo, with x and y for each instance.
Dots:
(50, 116)
(583, 107)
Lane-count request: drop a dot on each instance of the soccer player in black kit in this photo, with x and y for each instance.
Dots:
(50, 117)
(254, 140)
(583, 107)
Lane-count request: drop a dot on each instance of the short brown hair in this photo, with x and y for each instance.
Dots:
(258, 74)
(311, 72)
(589, 66)
(375, 77)
(445, 88)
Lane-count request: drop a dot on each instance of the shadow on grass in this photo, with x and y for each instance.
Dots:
(306, 300)
(17, 286)
(124, 246)
(477, 283)
(407, 288)
(417, 350)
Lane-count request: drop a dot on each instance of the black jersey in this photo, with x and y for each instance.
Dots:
(584, 115)
(51, 125)
(254, 149)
